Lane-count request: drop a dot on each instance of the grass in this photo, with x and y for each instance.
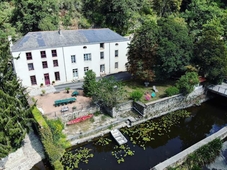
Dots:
(161, 86)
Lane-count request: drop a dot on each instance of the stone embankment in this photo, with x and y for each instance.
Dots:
(25, 157)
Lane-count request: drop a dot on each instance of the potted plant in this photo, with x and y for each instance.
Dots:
(41, 85)
(67, 89)
(53, 82)
(43, 92)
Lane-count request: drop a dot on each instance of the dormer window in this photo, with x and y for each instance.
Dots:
(116, 44)
(101, 45)
(84, 47)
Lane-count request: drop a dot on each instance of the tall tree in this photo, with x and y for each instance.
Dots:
(142, 52)
(108, 92)
(15, 113)
(166, 7)
(199, 12)
(211, 56)
(89, 83)
(35, 15)
(115, 14)
(175, 47)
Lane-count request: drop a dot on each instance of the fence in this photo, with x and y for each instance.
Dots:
(72, 113)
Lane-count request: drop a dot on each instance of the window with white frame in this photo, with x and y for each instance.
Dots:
(101, 55)
(30, 66)
(43, 54)
(33, 80)
(116, 53)
(116, 64)
(54, 53)
(87, 57)
(44, 63)
(55, 63)
(102, 68)
(73, 58)
(86, 69)
(75, 73)
(57, 75)
(29, 56)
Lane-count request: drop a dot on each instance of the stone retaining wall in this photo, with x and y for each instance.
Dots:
(181, 157)
(25, 157)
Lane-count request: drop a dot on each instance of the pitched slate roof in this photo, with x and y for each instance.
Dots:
(54, 39)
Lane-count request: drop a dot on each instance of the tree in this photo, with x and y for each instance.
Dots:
(108, 92)
(89, 83)
(187, 82)
(175, 47)
(35, 15)
(15, 112)
(142, 52)
(166, 7)
(199, 12)
(211, 56)
(114, 14)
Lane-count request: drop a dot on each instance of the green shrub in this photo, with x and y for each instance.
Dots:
(136, 95)
(187, 82)
(53, 140)
(97, 113)
(171, 91)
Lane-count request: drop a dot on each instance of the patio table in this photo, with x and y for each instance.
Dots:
(64, 101)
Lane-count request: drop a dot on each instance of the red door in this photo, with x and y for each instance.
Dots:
(47, 79)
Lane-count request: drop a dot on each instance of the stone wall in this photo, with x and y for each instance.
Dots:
(169, 104)
(25, 157)
(120, 109)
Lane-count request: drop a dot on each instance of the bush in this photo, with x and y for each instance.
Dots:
(172, 91)
(136, 95)
(52, 138)
(187, 82)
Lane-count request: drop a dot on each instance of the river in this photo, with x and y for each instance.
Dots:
(205, 120)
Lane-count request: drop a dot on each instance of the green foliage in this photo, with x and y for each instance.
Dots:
(113, 14)
(108, 92)
(39, 118)
(136, 95)
(89, 83)
(35, 15)
(15, 117)
(172, 91)
(53, 140)
(203, 156)
(211, 56)
(187, 82)
(142, 52)
(67, 89)
(72, 160)
(174, 50)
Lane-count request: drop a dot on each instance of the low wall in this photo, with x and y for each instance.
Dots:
(169, 104)
(25, 157)
(120, 108)
(181, 157)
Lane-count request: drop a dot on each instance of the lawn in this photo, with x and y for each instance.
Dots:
(161, 86)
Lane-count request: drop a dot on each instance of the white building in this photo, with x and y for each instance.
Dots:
(63, 56)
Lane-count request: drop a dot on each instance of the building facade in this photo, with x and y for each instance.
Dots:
(65, 56)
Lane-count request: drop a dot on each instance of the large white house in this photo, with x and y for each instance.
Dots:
(64, 56)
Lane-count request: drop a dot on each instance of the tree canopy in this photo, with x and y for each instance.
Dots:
(15, 112)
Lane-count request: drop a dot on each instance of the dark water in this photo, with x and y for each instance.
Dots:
(205, 120)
